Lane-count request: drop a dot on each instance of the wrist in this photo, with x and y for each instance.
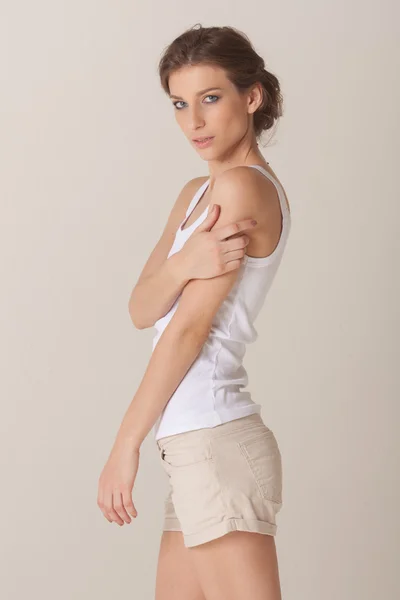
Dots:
(176, 265)
(128, 441)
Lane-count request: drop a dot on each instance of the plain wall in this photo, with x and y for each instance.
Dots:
(91, 163)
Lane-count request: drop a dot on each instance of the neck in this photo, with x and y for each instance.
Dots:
(246, 153)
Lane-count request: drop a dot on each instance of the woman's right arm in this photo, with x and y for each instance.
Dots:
(162, 279)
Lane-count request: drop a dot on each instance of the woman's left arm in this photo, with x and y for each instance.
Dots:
(179, 344)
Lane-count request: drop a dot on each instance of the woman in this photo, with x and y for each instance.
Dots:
(202, 288)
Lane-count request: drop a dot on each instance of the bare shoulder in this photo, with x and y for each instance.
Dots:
(239, 194)
(243, 187)
(183, 200)
(193, 184)
(247, 185)
(186, 194)
(243, 193)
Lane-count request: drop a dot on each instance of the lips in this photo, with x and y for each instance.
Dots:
(202, 139)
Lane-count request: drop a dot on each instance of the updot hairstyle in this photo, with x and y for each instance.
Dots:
(231, 50)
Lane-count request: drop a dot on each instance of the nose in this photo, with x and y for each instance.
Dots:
(195, 119)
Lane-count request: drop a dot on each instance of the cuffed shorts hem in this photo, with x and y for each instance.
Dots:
(220, 529)
(172, 525)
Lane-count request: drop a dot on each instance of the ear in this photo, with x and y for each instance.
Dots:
(256, 97)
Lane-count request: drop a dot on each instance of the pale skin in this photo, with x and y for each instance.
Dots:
(203, 272)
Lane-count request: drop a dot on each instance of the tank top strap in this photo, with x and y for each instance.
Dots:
(195, 200)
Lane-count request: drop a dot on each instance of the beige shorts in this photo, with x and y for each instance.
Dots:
(221, 479)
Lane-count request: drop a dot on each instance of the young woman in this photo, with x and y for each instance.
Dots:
(202, 288)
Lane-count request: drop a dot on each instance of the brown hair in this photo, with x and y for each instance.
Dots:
(231, 50)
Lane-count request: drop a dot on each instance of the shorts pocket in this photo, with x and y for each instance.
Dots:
(263, 457)
(186, 456)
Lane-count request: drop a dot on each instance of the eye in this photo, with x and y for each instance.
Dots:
(212, 96)
(175, 104)
(181, 101)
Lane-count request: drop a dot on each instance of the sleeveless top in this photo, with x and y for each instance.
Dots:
(211, 392)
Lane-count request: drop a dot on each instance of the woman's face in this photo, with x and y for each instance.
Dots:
(207, 104)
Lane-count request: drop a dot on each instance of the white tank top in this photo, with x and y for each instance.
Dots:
(211, 392)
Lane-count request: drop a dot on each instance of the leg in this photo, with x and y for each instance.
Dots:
(176, 578)
(238, 566)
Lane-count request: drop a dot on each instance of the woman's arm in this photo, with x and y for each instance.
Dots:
(162, 279)
(153, 296)
(184, 336)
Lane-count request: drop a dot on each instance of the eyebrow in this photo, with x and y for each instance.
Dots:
(198, 93)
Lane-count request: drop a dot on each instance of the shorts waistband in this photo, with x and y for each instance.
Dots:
(242, 424)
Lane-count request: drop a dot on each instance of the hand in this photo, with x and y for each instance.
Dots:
(116, 482)
(211, 253)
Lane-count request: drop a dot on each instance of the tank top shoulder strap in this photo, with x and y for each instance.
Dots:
(195, 199)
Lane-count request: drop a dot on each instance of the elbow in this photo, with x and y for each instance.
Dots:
(139, 324)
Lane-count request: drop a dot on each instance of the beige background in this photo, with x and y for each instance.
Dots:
(91, 163)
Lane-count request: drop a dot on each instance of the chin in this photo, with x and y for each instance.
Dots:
(204, 152)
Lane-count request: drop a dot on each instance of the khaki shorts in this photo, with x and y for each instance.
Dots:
(221, 479)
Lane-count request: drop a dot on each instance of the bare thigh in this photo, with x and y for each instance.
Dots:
(176, 577)
(238, 566)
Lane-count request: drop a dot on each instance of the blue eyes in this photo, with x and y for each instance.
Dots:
(209, 96)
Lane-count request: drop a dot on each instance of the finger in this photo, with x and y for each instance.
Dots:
(105, 513)
(232, 265)
(235, 243)
(103, 509)
(100, 502)
(127, 501)
(234, 228)
(233, 255)
(119, 506)
(108, 502)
